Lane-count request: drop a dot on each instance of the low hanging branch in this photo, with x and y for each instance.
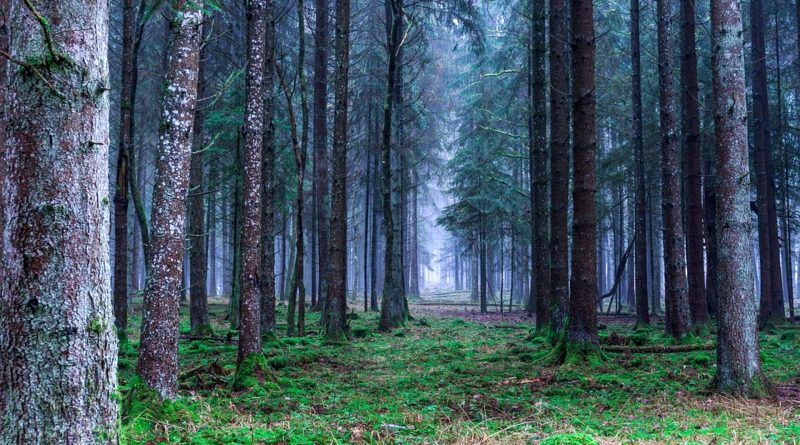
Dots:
(618, 274)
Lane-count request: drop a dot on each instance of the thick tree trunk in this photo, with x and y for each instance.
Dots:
(538, 168)
(676, 298)
(250, 296)
(158, 352)
(336, 303)
(582, 324)
(559, 164)
(198, 245)
(690, 124)
(393, 302)
(321, 162)
(58, 350)
(738, 363)
(268, 177)
(640, 234)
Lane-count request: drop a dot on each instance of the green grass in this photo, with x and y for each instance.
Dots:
(454, 381)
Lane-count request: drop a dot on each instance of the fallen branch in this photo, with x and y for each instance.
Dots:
(206, 338)
(659, 349)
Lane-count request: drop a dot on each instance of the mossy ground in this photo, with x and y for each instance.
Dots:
(457, 382)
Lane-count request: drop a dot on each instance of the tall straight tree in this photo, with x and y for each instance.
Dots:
(336, 303)
(771, 304)
(738, 362)
(198, 253)
(58, 350)
(640, 234)
(582, 324)
(321, 197)
(677, 320)
(250, 297)
(268, 176)
(158, 351)
(559, 164)
(393, 312)
(538, 167)
(690, 125)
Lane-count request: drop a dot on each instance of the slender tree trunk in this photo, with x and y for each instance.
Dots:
(336, 309)
(268, 177)
(677, 322)
(373, 298)
(559, 164)
(58, 351)
(158, 351)
(738, 363)
(198, 257)
(300, 162)
(538, 168)
(321, 163)
(367, 192)
(771, 303)
(690, 124)
(250, 296)
(640, 234)
(392, 304)
(785, 200)
(482, 263)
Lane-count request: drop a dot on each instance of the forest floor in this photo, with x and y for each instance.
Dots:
(461, 379)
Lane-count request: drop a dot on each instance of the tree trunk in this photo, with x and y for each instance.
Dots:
(268, 177)
(198, 253)
(373, 297)
(158, 352)
(322, 197)
(771, 304)
(690, 124)
(336, 309)
(393, 304)
(250, 296)
(738, 363)
(538, 168)
(582, 324)
(58, 350)
(677, 321)
(640, 233)
(559, 164)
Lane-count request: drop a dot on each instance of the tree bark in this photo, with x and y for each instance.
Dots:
(640, 234)
(198, 253)
(676, 298)
(582, 323)
(559, 164)
(690, 124)
(738, 363)
(268, 279)
(336, 302)
(250, 296)
(56, 315)
(158, 351)
(321, 162)
(538, 168)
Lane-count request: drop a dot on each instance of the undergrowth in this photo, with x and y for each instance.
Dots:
(454, 381)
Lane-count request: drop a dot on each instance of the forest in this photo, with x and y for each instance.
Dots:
(399, 222)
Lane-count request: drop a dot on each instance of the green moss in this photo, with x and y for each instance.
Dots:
(278, 362)
(97, 326)
(251, 373)
(569, 439)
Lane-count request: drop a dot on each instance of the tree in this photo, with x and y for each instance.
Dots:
(58, 350)
(336, 302)
(321, 195)
(582, 324)
(158, 351)
(540, 291)
(690, 125)
(393, 312)
(268, 177)
(677, 321)
(738, 362)
(771, 304)
(250, 298)
(559, 164)
(640, 235)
